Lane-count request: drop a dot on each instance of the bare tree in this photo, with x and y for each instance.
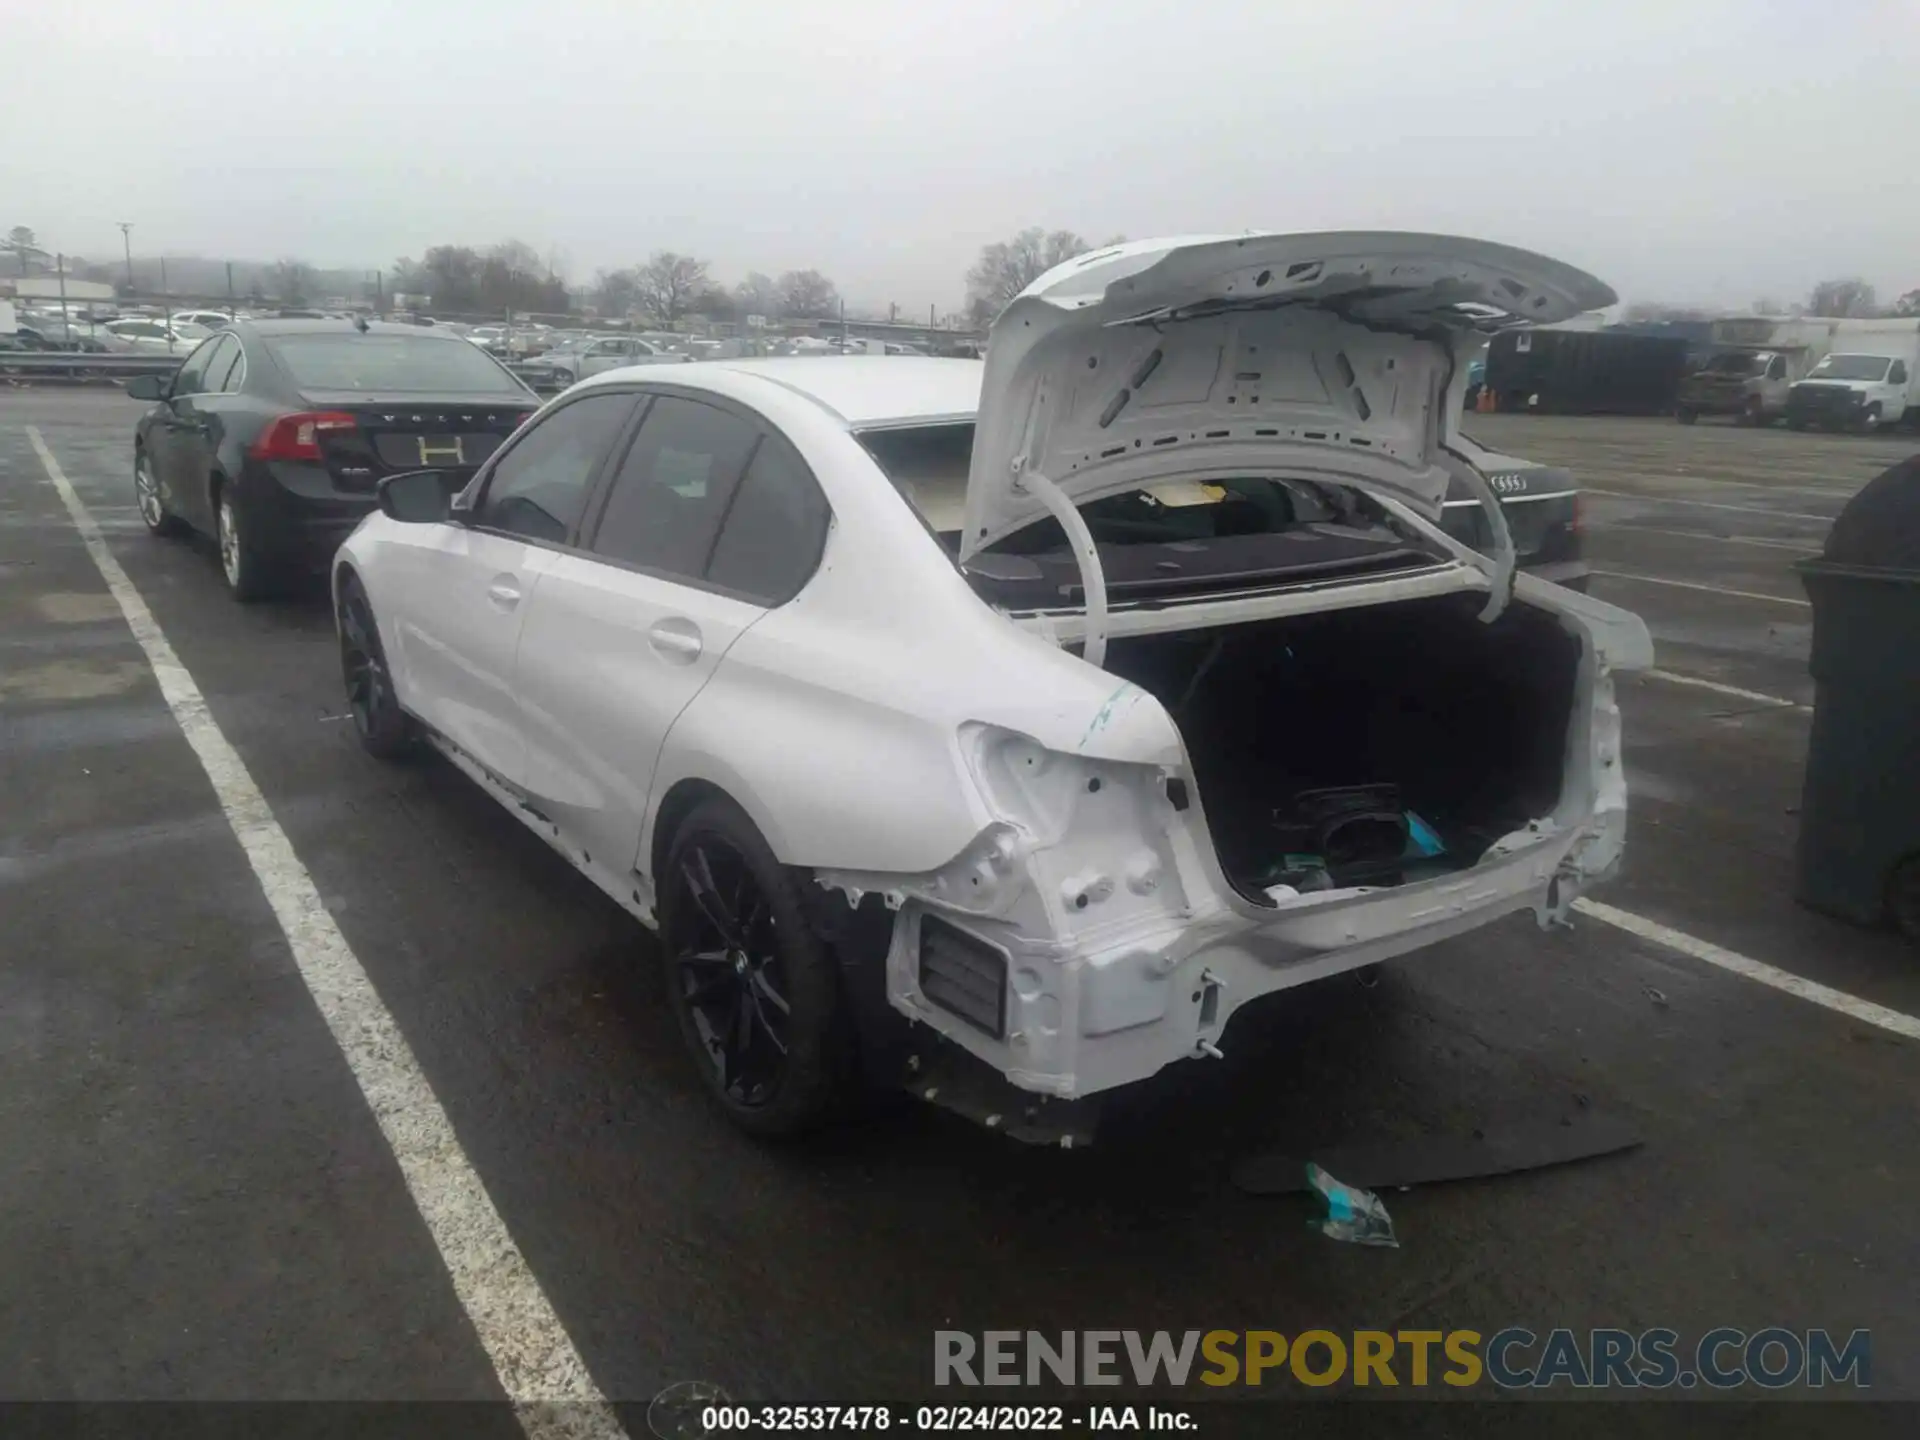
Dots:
(615, 292)
(1908, 304)
(1850, 296)
(758, 295)
(808, 295)
(23, 245)
(666, 285)
(517, 260)
(292, 281)
(1007, 267)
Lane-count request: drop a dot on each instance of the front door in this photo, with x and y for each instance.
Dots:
(461, 590)
(182, 441)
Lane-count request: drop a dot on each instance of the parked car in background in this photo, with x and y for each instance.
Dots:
(1541, 505)
(207, 319)
(1866, 388)
(1002, 730)
(575, 360)
(156, 336)
(54, 335)
(272, 436)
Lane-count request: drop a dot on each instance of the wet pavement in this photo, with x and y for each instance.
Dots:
(202, 1206)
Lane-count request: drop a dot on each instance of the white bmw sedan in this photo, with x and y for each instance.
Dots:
(999, 729)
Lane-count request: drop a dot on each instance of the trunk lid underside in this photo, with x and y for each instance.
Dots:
(1330, 356)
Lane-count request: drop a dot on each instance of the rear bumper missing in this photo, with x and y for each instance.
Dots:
(1072, 1020)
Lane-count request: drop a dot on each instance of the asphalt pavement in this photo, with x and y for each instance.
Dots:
(202, 1205)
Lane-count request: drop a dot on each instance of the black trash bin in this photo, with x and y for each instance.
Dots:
(1859, 848)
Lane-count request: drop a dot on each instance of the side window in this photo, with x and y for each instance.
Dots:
(671, 494)
(1898, 375)
(1778, 369)
(220, 357)
(236, 375)
(191, 377)
(539, 485)
(770, 544)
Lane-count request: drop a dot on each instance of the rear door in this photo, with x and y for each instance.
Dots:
(457, 593)
(707, 522)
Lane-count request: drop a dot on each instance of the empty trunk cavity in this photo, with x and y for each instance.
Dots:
(1373, 746)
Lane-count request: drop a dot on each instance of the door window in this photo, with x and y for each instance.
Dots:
(191, 377)
(1778, 369)
(770, 543)
(236, 375)
(1898, 375)
(667, 503)
(538, 487)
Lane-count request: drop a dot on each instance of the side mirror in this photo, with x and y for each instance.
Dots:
(419, 497)
(147, 387)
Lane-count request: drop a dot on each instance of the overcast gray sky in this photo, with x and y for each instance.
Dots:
(1688, 150)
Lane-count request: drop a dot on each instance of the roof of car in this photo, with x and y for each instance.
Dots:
(864, 392)
(340, 327)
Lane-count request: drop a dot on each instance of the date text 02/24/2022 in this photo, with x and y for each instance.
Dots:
(943, 1419)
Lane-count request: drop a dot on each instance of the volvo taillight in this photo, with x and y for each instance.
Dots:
(297, 436)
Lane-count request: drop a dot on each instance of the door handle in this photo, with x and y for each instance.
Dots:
(675, 640)
(504, 591)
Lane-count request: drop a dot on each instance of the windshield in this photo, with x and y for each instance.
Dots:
(391, 365)
(1736, 362)
(1852, 367)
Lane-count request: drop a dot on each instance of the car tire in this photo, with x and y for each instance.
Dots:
(750, 982)
(1686, 416)
(1753, 415)
(151, 503)
(386, 731)
(1870, 420)
(241, 560)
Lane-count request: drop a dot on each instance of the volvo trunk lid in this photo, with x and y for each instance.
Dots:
(1329, 356)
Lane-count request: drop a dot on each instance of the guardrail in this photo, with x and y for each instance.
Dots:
(80, 367)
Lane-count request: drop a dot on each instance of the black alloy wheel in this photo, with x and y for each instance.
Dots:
(385, 730)
(750, 983)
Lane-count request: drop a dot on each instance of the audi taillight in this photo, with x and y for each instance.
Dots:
(297, 437)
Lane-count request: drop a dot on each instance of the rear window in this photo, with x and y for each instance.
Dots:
(391, 365)
(928, 466)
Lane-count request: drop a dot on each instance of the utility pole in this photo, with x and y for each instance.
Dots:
(229, 289)
(126, 236)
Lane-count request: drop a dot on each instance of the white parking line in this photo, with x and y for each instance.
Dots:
(1673, 677)
(1696, 585)
(1706, 504)
(1799, 548)
(1852, 1006)
(537, 1365)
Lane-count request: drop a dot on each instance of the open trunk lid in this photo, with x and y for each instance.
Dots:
(1325, 356)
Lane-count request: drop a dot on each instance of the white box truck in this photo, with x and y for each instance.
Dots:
(1753, 364)
(1868, 380)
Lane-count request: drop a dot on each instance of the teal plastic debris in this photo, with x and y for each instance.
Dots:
(1353, 1215)
(1422, 841)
